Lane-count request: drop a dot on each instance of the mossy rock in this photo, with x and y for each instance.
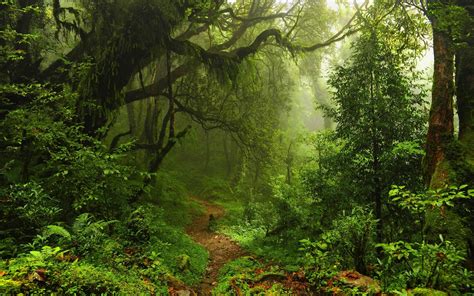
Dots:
(9, 286)
(426, 292)
(355, 280)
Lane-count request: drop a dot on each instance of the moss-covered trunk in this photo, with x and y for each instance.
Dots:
(465, 98)
(441, 128)
(464, 164)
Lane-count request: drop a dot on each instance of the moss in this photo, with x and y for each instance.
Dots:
(461, 160)
(427, 292)
(9, 286)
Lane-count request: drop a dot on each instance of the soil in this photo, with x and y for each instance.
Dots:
(221, 249)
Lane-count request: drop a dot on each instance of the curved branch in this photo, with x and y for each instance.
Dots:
(158, 88)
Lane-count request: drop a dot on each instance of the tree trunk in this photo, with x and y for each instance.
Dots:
(465, 106)
(465, 97)
(441, 128)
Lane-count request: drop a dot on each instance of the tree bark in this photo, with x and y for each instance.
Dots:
(465, 106)
(465, 93)
(441, 127)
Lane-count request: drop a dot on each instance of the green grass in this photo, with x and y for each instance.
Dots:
(175, 211)
(173, 245)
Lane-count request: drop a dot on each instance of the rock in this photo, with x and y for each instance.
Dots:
(183, 293)
(426, 292)
(354, 279)
(38, 275)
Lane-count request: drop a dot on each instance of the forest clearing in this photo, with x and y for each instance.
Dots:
(237, 147)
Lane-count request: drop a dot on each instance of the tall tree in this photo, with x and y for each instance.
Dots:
(376, 108)
(452, 25)
(465, 93)
(441, 126)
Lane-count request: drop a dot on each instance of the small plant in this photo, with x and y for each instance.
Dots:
(84, 237)
(138, 225)
(29, 204)
(319, 262)
(436, 266)
(427, 263)
(433, 212)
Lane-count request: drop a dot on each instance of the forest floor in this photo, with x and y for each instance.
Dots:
(221, 249)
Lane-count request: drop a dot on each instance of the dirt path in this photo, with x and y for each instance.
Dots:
(221, 248)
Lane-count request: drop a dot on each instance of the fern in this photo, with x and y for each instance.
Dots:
(56, 230)
(81, 222)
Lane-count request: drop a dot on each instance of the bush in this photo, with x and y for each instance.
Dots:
(84, 237)
(48, 271)
(320, 263)
(349, 244)
(138, 225)
(436, 266)
(27, 207)
(353, 236)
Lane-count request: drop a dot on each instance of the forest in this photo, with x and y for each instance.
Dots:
(237, 147)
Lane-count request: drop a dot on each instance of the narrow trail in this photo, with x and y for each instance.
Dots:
(221, 248)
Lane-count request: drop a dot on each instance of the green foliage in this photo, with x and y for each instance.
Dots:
(353, 236)
(433, 262)
(95, 181)
(56, 230)
(46, 148)
(450, 19)
(248, 275)
(30, 204)
(85, 237)
(176, 248)
(48, 271)
(215, 188)
(238, 268)
(431, 211)
(96, 256)
(138, 225)
(319, 262)
(75, 219)
(438, 198)
(349, 244)
(437, 265)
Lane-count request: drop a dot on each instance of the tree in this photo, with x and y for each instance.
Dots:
(123, 52)
(449, 156)
(377, 109)
(452, 25)
(441, 126)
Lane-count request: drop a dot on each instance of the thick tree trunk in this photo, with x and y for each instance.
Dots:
(441, 128)
(465, 102)
(465, 93)
(465, 106)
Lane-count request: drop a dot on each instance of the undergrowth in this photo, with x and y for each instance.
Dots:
(145, 252)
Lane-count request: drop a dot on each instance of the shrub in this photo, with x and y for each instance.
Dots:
(437, 266)
(349, 244)
(27, 207)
